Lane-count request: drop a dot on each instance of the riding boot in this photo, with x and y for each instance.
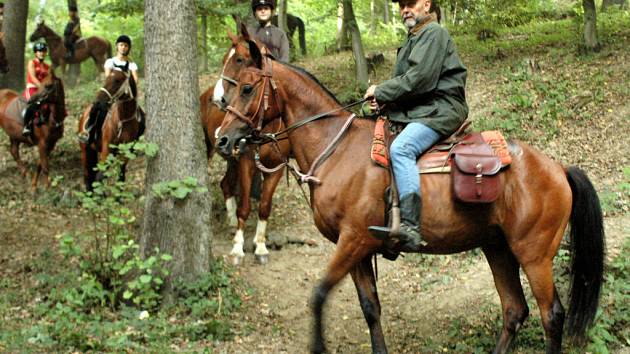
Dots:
(408, 238)
(29, 114)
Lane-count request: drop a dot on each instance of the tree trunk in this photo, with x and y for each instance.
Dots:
(357, 44)
(72, 3)
(14, 26)
(179, 227)
(204, 42)
(282, 15)
(343, 38)
(591, 43)
(386, 11)
(372, 17)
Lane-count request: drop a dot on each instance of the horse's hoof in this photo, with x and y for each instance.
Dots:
(236, 260)
(262, 259)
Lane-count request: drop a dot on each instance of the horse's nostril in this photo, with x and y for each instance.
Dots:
(223, 142)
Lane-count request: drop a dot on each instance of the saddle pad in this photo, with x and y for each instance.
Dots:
(379, 152)
(495, 139)
(15, 108)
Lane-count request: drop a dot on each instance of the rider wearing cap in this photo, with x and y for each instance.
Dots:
(426, 96)
(121, 62)
(36, 70)
(271, 36)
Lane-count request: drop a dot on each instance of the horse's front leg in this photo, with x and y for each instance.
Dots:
(365, 283)
(15, 152)
(42, 166)
(351, 250)
(270, 183)
(245, 172)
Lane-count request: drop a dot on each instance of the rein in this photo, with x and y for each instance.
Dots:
(125, 88)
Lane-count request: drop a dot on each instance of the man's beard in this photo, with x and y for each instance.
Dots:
(410, 22)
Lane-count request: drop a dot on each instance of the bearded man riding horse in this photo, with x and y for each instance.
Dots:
(520, 228)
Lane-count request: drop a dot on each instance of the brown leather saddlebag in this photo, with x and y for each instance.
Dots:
(476, 178)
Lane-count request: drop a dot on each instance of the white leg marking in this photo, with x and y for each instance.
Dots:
(230, 205)
(237, 249)
(260, 238)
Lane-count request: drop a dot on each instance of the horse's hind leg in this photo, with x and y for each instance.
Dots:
(89, 159)
(505, 270)
(15, 152)
(228, 186)
(365, 283)
(540, 275)
(264, 210)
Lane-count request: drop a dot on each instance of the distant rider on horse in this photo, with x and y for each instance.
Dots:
(426, 95)
(72, 32)
(36, 70)
(121, 62)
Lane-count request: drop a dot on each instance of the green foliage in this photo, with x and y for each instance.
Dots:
(178, 189)
(115, 270)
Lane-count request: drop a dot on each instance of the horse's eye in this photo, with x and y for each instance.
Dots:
(239, 60)
(247, 89)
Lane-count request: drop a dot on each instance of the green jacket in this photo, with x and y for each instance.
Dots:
(428, 85)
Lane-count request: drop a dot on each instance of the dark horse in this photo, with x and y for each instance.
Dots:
(523, 228)
(4, 65)
(293, 23)
(48, 125)
(241, 170)
(97, 48)
(117, 119)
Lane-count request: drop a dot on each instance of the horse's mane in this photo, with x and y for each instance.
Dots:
(303, 71)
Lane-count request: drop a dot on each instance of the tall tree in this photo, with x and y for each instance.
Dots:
(357, 45)
(386, 11)
(14, 26)
(343, 36)
(591, 42)
(179, 227)
(373, 16)
(282, 15)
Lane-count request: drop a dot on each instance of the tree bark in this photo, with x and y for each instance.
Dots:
(179, 227)
(357, 44)
(343, 38)
(373, 16)
(591, 42)
(282, 15)
(14, 26)
(72, 3)
(204, 42)
(386, 11)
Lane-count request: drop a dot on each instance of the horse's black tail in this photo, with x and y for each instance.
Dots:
(587, 263)
(300, 25)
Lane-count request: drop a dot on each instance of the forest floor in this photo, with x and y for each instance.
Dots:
(429, 303)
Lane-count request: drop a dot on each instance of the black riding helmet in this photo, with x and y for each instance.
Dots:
(40, 47)
(124, 39)
(256, 3)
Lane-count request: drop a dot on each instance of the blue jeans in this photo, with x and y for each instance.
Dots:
(415, 139)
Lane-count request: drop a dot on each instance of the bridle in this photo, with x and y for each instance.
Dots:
(124, 89)
(265, 76)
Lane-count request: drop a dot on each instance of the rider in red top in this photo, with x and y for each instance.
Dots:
(36, 71)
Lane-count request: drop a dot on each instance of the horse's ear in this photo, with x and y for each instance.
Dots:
(244, 32)
(255, 53)
(233, 37)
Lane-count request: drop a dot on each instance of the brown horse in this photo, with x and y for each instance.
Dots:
(4, 64)
(47, 127)
(97, 48)
(523, 228)
(116, 118)
(241, 170)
